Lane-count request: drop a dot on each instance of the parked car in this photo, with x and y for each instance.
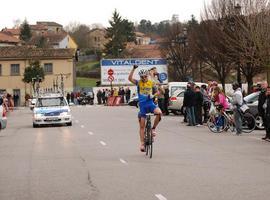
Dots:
(176, 102)
(3, 116)
(176, 86)
(51, 109)
(134, 101)
(252, 102)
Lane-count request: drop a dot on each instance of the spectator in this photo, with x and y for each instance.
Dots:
(188, 103)
(237, 102)
(103, 96)
(121, 93)
(166, 100)
(128, 92)
(206, 103)
(68, 97)
(115, 92)
(220, 98)
(198, 106)
(72, 97)
(99, 96)
(266, 107)
(261, 101)
(107, 94)
(161, 97)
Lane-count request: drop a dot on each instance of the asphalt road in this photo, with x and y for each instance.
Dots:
(98, 158)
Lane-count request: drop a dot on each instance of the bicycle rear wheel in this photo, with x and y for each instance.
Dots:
(217, 123)
(248, 123)
(148, 140)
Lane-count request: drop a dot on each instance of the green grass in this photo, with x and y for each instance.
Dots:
(88, 66)
(86, 82)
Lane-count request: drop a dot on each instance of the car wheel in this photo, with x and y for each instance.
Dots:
(69, 124)
(176, 112)
(35, 125)
(259, 122)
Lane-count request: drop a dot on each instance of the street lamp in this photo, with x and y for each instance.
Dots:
(238, 9)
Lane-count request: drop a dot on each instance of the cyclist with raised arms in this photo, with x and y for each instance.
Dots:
(146, 90)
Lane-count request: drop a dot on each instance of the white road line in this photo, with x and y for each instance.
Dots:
(123, 161)
(102, 143)
(90, 133)
(82, 126)
(160, 197)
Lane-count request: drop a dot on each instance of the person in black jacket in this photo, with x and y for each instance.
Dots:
(189, 102)
(261, 101)
(198, 106)
(266, 109)
(166, 100)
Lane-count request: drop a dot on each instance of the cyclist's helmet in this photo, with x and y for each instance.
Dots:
(143, 72)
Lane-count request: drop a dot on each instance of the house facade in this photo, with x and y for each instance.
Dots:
(56, 62)
(54, 40)
(96, 39)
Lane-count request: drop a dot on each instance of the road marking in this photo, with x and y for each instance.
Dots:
(103, 143)
(82, 126)
(160, 197)
(123, 161)
(90, 133)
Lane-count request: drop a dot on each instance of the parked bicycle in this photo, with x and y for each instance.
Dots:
(224, 121)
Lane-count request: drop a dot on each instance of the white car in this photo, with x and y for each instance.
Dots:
(3, 117)
(176, 102)
(51, 109)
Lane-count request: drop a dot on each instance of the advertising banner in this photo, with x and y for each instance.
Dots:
(117, 70)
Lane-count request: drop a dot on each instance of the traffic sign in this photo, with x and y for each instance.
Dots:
(110, 72)
(110, 78)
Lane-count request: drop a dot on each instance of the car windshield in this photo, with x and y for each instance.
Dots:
(252, 97)
(51, 102)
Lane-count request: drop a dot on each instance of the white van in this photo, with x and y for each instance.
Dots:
(173, 86)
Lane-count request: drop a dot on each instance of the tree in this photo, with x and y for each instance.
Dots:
(42, 42)
(25, 33)
(120, 32)
(145, 26)
(79, 32)
(244, 29)
(177, 50)
(33, 71)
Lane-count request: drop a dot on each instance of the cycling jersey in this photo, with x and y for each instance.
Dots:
(144, 90)
(146, 104)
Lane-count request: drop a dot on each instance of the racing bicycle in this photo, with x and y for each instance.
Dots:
(148, 136)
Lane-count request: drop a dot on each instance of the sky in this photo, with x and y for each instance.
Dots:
(99, 11)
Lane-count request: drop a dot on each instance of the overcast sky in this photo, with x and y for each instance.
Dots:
(99, 11)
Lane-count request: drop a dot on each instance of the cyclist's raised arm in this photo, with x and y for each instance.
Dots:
(130, 77)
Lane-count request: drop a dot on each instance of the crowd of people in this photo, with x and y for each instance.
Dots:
(207, 97)
(104, 94)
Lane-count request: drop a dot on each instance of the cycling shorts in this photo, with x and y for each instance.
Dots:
(145, 108)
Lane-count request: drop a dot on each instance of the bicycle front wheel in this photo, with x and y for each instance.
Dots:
(217, 123)
(248, 123)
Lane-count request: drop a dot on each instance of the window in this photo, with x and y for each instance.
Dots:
(14, 69)
(48, 68)
(0, 70)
